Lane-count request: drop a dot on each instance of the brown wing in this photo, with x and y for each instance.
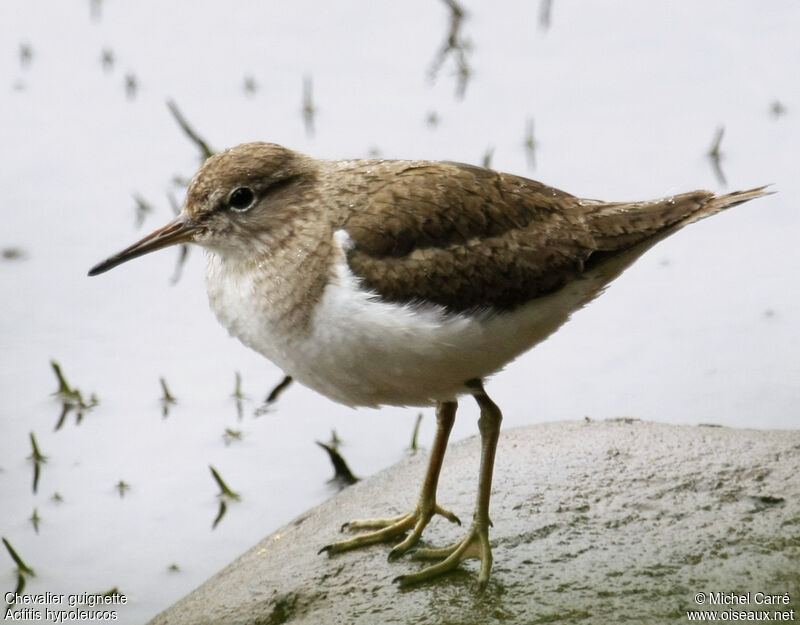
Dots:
(464, 237)
(468, 238)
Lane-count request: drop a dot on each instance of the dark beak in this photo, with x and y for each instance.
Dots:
(179, 230)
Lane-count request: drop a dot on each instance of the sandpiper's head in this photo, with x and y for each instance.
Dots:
(236, 200)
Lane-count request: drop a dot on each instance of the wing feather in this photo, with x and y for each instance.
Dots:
(465, 238)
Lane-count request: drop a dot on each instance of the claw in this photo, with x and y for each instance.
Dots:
(393, 555)
(447, 515)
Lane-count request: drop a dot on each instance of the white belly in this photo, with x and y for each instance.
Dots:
(363, 352)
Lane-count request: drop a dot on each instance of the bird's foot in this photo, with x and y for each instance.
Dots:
(474, 545)
(388, 529)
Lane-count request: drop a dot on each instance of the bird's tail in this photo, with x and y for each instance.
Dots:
(716, 203)
(617, 226)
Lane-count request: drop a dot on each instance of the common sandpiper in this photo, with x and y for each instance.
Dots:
(406, 283)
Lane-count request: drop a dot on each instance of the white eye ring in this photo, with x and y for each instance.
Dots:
(241, 199)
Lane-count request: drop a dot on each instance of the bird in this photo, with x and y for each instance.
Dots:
(409, 283)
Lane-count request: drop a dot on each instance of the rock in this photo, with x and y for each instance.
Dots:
(594, 522)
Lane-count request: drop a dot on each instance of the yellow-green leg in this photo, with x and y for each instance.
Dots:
(420, 516)
(475, 543)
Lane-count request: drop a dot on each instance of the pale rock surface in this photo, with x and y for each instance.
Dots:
(594, 522)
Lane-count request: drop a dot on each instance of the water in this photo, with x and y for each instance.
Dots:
(626, 100)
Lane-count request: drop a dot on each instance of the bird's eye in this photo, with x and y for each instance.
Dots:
(241, 198)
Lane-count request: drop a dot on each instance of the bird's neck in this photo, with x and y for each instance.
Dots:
(266, 297)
